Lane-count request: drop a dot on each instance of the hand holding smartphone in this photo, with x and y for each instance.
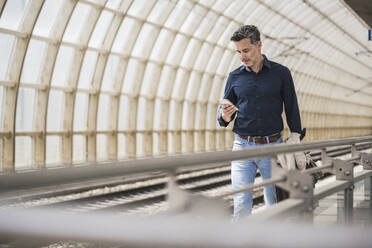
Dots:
(226, 102)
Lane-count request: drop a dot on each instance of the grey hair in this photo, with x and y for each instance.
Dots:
(246, 31)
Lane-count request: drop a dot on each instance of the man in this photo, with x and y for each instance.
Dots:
(255, 94)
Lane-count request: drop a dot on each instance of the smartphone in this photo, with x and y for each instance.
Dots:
(226, 101)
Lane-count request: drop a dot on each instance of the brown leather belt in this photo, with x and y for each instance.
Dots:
(261, 140)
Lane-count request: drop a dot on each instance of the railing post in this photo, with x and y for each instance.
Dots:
(348, 203)
(344, 171)
(366, 161)
(370, 195)
(300, 186)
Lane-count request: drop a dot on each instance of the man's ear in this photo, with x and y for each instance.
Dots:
(259, 44)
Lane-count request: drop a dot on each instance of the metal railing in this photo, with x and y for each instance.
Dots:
(302, 195)
(55, 176)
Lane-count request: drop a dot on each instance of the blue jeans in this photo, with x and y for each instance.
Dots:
(243, 173)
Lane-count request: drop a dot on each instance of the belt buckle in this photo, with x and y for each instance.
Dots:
(265, 140)
(254, 139)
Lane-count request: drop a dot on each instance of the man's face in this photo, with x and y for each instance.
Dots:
(250, 54)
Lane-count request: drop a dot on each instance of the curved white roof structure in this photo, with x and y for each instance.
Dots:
(95, 80)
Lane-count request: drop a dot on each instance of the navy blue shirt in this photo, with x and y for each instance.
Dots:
(259, 99)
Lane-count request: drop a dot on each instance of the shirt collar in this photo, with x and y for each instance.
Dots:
(266, 63)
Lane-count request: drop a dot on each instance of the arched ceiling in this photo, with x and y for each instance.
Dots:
(92, 80)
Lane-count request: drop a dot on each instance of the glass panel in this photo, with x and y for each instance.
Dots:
(33, 61)
(62, 66)
(76, 23)
(102, 147)
(162, 45)
(13, 13)
(126, 37)
(166, 82)
(101, 29)
(103, 112)
(206, 25)
(81, 112)
(87, 70)
(2, 99)
(23, 152)
(1, 154)
(220, 6)
(145, 41)
(127, 113)
(178, 47)
(47, 17)
(110, 73)
(178, 15)
(113, 4)
(141, 8)
(5, 54)
(150, 80)
(25, 110)
(193, 20)
(218, 29)
(53, 150)
(161, 11)
(133, 77)
(122, 153)
(193, 49)
(79, 152)
(55, 110)
(95, 1)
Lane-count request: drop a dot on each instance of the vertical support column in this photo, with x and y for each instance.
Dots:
(344, 171)
(370, 194)
(340, 207)
(14, 75)
(367, 188)
(348, 203)
(92, 137)
(113, 126)
(308, 215)
(40, 116)
(366, 161)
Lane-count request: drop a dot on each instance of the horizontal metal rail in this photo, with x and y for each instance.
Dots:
(317, 169)
(46, 177)
(254, 186)
(339, 185)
